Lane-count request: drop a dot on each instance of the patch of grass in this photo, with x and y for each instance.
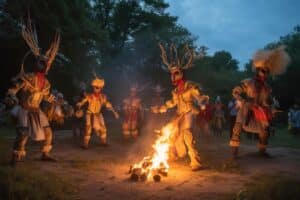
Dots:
(5, 151)
(4, 145)
(28, 182)
(7, 132)
(282, 138)
(285, 139)
(268, 187)
(24, 183)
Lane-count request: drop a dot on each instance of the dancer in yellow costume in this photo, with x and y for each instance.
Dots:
(184, 96)
(29, 91)
(93, 116)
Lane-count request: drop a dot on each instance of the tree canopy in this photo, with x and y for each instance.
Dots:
(119, 40)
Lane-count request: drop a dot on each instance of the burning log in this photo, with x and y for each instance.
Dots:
(139, 173)
(144, 177)
(157, 178)
(134, 177)
(142, 171)
(156, 175)
(155, 165)
(135, 174)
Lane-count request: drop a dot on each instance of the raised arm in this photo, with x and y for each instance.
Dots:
(239, 90)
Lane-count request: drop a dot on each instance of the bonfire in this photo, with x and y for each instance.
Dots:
(156, 165)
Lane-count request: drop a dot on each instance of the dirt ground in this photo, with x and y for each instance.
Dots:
(102, 172)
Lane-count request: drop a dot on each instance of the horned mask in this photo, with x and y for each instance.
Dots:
(177, 63)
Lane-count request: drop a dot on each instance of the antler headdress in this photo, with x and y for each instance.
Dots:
(29, 35)
(176, 61)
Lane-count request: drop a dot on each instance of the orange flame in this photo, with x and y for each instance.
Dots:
(160, 157)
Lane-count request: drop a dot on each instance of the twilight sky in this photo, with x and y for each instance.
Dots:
(238, 26)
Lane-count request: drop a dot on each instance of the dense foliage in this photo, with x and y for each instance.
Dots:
(119, 40)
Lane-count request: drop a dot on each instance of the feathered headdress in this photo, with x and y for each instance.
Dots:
(275, 60)
(30, 36)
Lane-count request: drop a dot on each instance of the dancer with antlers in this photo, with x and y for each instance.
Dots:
(29, 91)
(255, 113)
(133, 114)
(183, 97)
(93, 116)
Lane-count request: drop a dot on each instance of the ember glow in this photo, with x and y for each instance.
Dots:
(156, 164)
